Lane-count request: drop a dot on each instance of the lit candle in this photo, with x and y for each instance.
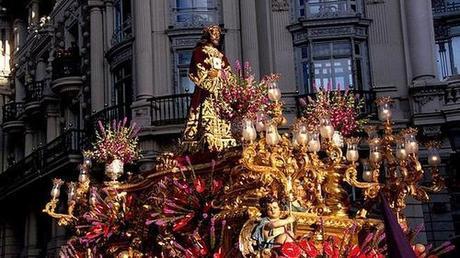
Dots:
(375, 155)
(274, 93)
(87, 163)
(367, 173)
(337, 139)
(302, 135)
(56, 190)
(70, 191)
(313, 144)
(411, 144)
(83, 177)
(249, 132)
(434, 159)
(352, 150)
(326, 130)
(260, 122)
(401, 153)
(272, 137)
(384, 112)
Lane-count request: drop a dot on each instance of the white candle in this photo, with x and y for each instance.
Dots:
(352, 155)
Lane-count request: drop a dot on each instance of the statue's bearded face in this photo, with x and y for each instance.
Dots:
(214, 36)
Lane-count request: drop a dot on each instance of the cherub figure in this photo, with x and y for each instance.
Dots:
(272, 229)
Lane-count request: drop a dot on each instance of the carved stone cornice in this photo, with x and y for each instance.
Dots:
(280, 6)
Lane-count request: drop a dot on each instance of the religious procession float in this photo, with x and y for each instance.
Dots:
(237, 187)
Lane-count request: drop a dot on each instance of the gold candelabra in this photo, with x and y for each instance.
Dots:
(309, 168)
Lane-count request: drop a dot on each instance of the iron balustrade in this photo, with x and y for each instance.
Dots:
(443, 6)
(42, 160)
(12, 111)
(330, 8)
(122, 32)
(170, 109)
(66, 66)
(34, 91)
(368, 97)
(107, 115)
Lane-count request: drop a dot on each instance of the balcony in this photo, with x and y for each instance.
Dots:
(34, 93)
(369, 107)
(60, 156)
(67, 75)
(108, 114)
(169, 110)
(319, 9)
(122, 32)
(11, 117)
(442, 8)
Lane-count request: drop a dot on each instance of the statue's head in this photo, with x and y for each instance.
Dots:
(211, 34)
(270, 207)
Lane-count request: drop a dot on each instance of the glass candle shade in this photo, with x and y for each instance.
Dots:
(337, 139)
(83, 176)
(401, 153)
(271, 136)
(326, 130)
(56, 190)
(260, 122)
(274, 93)
(367, 172)
(114, 169)
(374, 153)
(352, 152)
(71, 191)
(434, 159)
(87, 163)
(302, 135)
(384, 112)
(313, 143)
(249, 132)
(411, 144)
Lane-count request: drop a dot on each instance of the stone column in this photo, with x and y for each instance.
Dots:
(9, 245)
(30, 236)
(143, 67)
(230, 12)
(52, 122)
(109, 23)
(249, 38)
(29, 140)
(421, 39)
(19, 33)
(20, 91)
(97, 55)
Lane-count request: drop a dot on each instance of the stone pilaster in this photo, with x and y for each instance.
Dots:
(29, 141)
(20, 92)
(143, 68)
(30, 236)
(249, 38)
(97, 55)
(419, 22)
(52, 122)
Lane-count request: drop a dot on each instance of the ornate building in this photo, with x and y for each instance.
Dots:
(66, 64)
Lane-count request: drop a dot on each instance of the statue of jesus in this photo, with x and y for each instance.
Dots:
(205, 130)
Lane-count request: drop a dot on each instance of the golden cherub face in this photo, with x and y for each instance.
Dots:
(273, 210)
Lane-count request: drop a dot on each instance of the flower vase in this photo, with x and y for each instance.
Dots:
(114, 169)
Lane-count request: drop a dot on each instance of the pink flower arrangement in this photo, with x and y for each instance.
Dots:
(341, 107)
(242, 96)
(116, 142)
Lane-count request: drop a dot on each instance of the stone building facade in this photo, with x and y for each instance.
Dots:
(66, 64)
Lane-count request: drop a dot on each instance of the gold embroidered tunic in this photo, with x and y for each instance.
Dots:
(205, 130)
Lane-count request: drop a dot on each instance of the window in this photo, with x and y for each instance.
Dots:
(182, 63)
(324, 8)
(123, 90)
(123, 23)
(443, 60)
(331, 65)
(189, 13)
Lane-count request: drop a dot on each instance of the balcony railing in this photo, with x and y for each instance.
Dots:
(107, 115)
(194, 17)
(367, 109)
(12, 111)
(122, 32)
(34, 91)
(171, 109)
(445, 6)
(66, 66)
(331, 8)
(41, 161)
